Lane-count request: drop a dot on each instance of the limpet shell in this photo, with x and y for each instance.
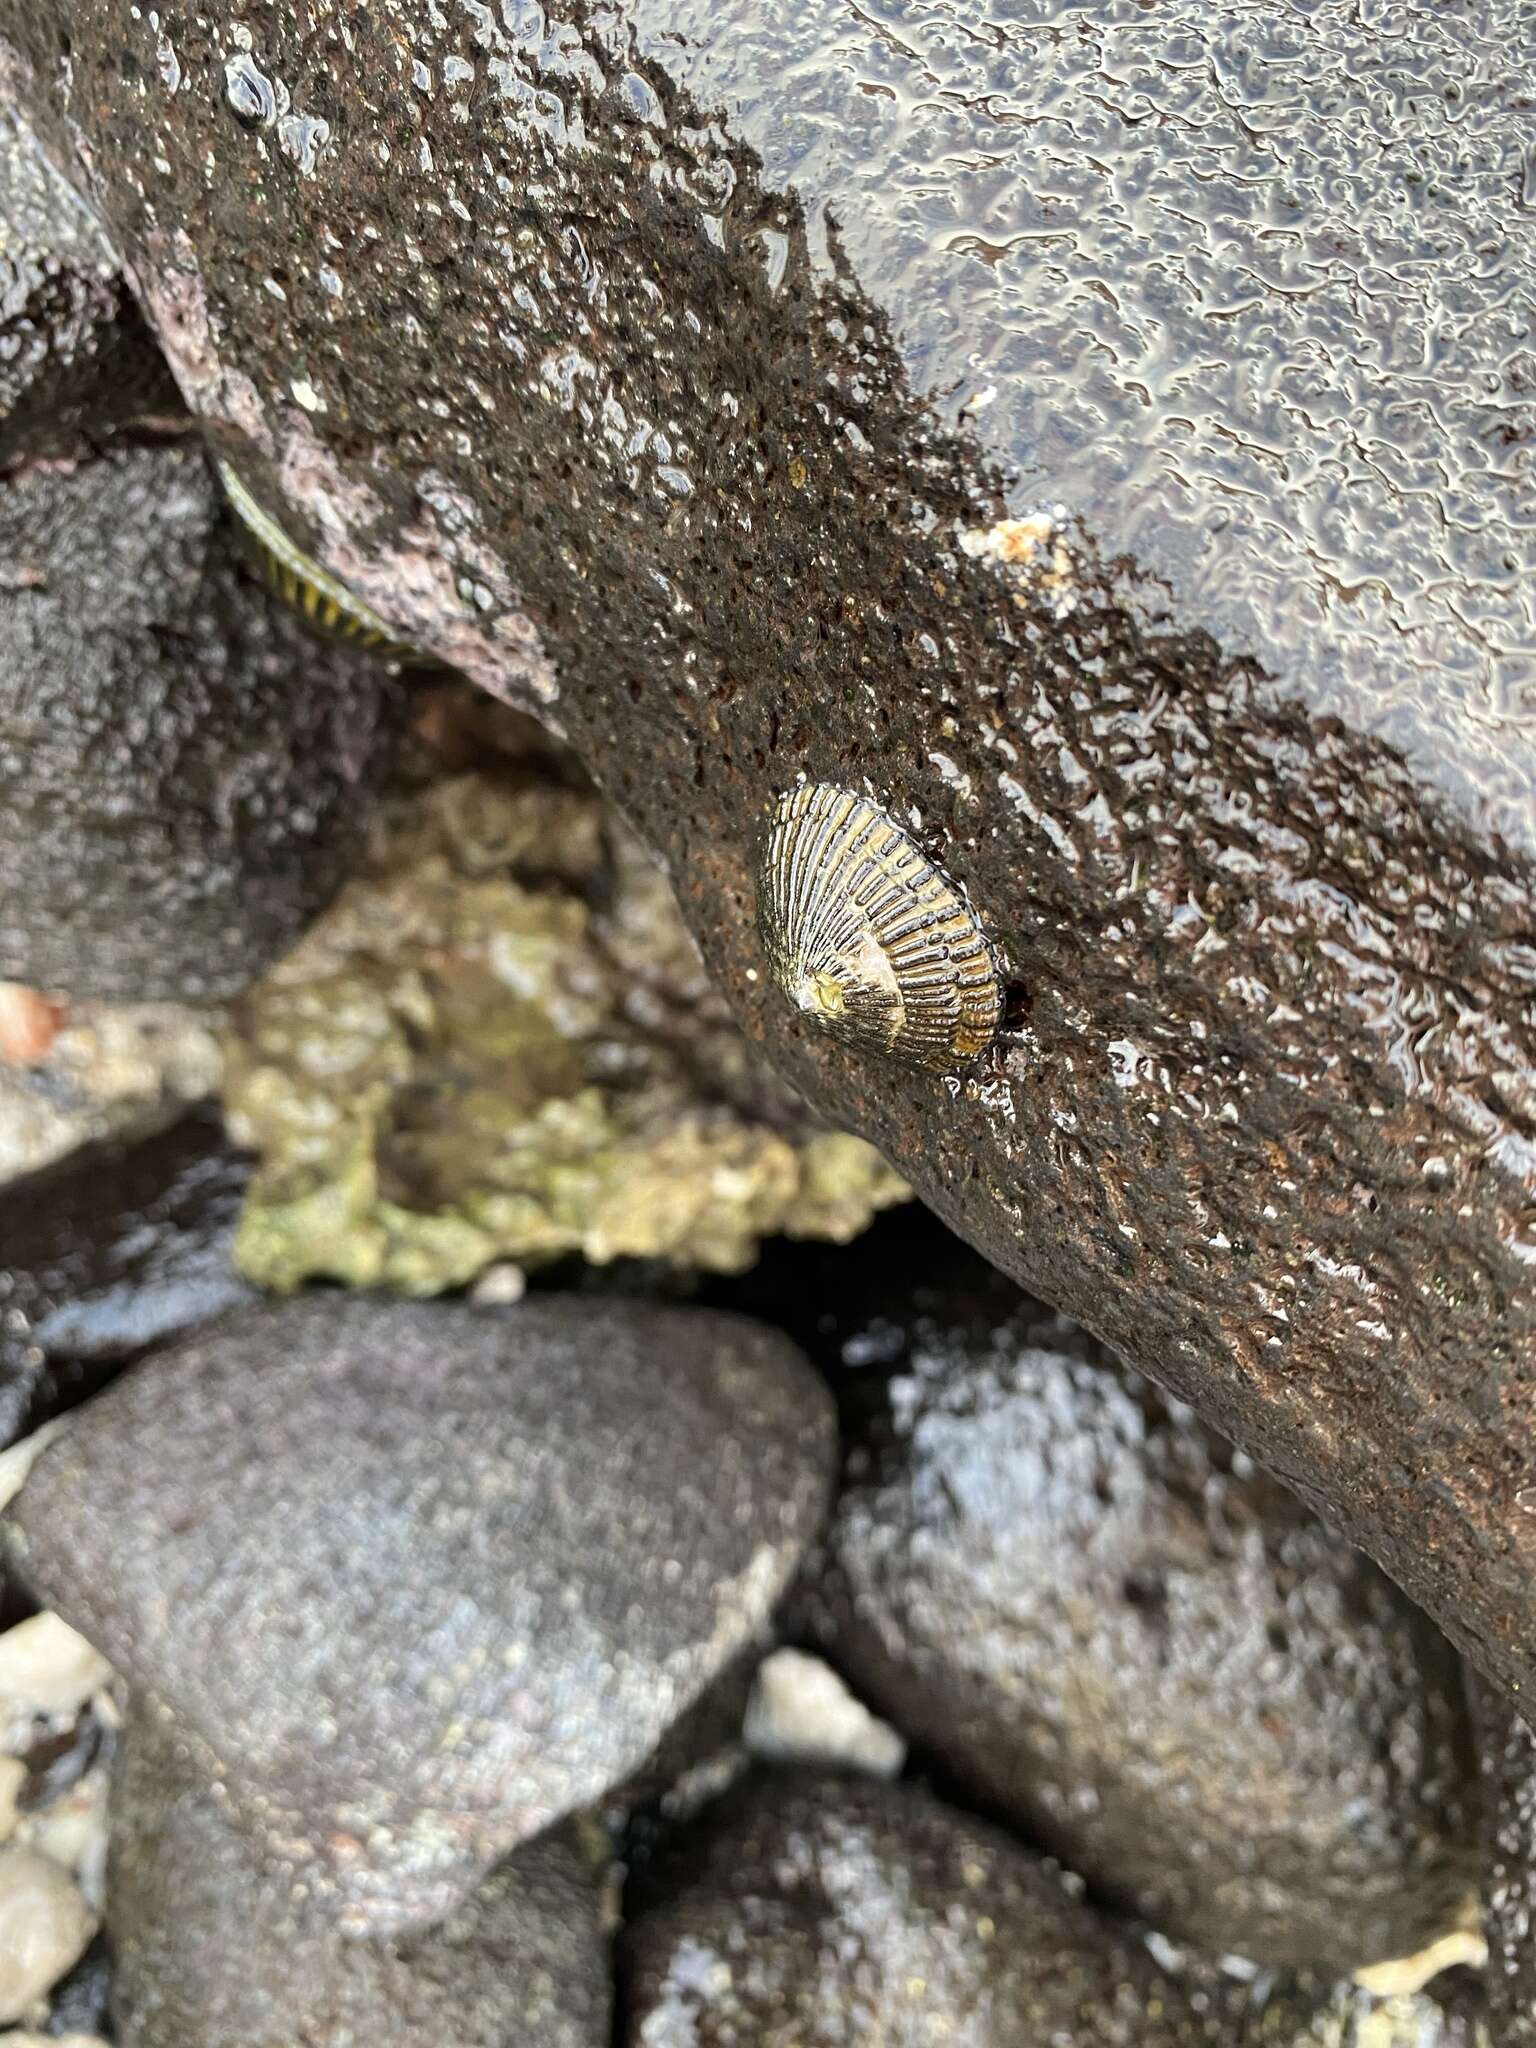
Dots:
(301, 582)
(871, 940)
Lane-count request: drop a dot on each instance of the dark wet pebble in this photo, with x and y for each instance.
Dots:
(1115, 1631)
(121, 1244)
(1507, 1755)
(185, 772)
(210, 1954)
(418, 1580)
(824, 1912)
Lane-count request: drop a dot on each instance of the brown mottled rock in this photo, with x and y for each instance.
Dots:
(1507, 1752)
(416, 1581)
(210, 1954)
(1105, 438)
(1119, 1632)
(825, 1911)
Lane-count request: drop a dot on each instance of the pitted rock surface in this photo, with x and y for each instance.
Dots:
(825, 1911)
(185, 771)
(122, 1244)
(1507, 1752)
(708, 377)
(76, 359)
(418, 1580)
(209, 1954)
(1115, 1630)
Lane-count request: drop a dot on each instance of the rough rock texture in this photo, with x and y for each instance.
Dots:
(1113, 1628)
(77, 362)
(117, 1247)
(1347, 2018)
(1507, 1751)
(500, 1043)
(822, 1911)
(706, 375)
(210, 1954)
(184, 770)
(416, 1581)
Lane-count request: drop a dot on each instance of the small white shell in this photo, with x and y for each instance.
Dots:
(868, 937)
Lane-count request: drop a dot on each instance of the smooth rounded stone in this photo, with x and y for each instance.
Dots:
(818, 1911)
(416, 1579)
(1122, 1635)
(118, 1246)
(185, 771)
(44, 1929)
(209, 1953)
(1507, 1761)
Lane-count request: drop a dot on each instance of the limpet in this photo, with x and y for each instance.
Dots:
(868, 937)
(301, 582)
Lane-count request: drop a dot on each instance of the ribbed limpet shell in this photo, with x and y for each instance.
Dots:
(868, 937)
(303, 583)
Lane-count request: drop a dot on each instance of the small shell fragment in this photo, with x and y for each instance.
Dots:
(871, 940)
(302, 582)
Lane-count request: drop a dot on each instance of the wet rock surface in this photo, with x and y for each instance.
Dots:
(120, 1245)
(210, 1954)
(184, 771)
(825, 1911)
(709, 380)
(1114, 1629)
(1507, 1752)
(501, 1043)
(416, 1581)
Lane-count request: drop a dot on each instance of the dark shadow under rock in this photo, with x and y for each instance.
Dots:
(185, 771)
(416, 1581)
(120, 1245)
(1116, 1630)
(210, 1953)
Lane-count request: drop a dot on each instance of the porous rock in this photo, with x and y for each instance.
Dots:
(121, 1244)
(1118, 1631)
(1507, 1755)
(999, 424)
(821, 1910)
(185, 771)
(210, 1954)
(500, 1042)
(416, 1581)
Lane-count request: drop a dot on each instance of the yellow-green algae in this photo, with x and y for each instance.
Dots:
(500, 1043)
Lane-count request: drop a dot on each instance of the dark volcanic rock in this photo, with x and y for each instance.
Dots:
(417, 1581)
(821, 1912)
(184, 770)
(708, 374)
(210, 1954)
(120, 1245)
(76, 359)
(1507, 1753)
(1113, 1628)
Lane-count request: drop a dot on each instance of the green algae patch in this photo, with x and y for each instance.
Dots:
(500, 1043)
